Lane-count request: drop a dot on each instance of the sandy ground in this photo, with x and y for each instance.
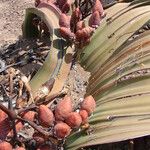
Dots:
(12, 14)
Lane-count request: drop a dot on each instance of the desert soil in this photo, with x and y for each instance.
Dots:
(12, 14)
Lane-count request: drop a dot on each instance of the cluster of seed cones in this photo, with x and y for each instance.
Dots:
(56, 124)
(72, 27)
(68, 119)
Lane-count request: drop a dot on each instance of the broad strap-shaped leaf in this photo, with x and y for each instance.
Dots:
(119, 61)
(59, 51)
(113, 36)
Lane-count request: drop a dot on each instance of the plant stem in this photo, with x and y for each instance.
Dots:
(11, 114)
(33, 106)
(51, 98)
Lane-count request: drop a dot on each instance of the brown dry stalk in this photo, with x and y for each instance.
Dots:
(33, 106)
(11, 114)
(49, 99)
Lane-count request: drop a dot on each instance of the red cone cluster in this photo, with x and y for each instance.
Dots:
(67, 119)
(62, 120)
(72, 27)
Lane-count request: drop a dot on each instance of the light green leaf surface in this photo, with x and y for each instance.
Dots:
(120, 77)
(56, 58)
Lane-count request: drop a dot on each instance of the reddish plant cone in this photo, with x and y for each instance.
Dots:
(95, 19)
(63, 108)
(5, 146)
(87, 32)
(80, 25)
(62, 130)
(30, 115)
(3, 115)
(88, 104)
(4, 125)
(84, 116)
(98, 7)
(45, 115)
(74, 120)
(64, 20)
(84, 34)
(66, 33)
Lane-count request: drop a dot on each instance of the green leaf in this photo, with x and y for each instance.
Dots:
(120, 77)
(59, 51)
